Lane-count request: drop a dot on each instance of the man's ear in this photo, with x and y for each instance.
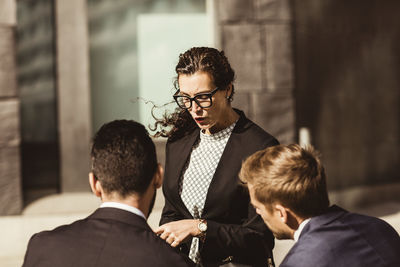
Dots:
(158, 176)
(282, 212)
(95, 185)
(287, 216)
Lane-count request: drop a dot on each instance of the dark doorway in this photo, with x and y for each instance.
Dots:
(37, 88)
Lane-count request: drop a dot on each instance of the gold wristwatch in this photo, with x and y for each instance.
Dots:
(202, 226)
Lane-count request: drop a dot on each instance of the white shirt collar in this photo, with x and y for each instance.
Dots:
(298, 231)
(123, 207)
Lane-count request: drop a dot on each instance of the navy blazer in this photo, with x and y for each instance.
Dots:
(108, 237)
(234, 228)
(339, 238)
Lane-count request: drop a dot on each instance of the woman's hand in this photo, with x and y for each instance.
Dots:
(175, 233)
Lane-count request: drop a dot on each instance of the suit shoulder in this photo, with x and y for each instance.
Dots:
(261, 133)
(59, 229)
(45, 242)
(365, 223)
(373, 228)
(253, 133)
(168, 255)
(343, 234)
(309, 251)
(48, 239)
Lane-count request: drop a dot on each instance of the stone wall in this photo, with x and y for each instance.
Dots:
(10, 177)
(347, 90)
(73, 94)
(332, 67)
(256, 36)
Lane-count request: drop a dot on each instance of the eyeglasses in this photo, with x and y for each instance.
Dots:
(202, 100)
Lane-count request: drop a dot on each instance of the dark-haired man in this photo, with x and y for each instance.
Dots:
(125, 175)
(287, 187)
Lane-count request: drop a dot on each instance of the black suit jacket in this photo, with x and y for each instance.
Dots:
(234, 228)
(339, 238)
(108, 237)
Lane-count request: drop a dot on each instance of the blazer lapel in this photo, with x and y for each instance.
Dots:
(228, 167)
(181, 152)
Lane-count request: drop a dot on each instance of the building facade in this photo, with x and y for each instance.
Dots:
(327, 67)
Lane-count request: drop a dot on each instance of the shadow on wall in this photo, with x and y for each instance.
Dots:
(347, 65)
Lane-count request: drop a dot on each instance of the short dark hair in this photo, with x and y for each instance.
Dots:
(289, 174)
(123, 157)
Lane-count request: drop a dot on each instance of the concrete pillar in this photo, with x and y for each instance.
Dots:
(10, 173)
(73, 90)
(256, 35)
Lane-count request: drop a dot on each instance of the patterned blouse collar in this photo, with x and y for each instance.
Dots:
(225, 133)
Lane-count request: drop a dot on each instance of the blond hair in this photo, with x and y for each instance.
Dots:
(290, 175)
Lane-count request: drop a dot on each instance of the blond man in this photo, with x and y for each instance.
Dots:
(287, 186)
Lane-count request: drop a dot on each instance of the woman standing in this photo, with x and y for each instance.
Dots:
(207, 212)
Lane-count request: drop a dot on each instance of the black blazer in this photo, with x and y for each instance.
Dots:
(234, 228)
(108, 237)
(339, 238)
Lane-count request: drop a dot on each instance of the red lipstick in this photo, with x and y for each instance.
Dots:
(199, 119)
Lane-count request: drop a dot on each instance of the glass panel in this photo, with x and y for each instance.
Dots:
(36, 81)
(114, 60)
(161, 39)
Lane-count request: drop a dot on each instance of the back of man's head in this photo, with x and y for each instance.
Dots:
(123, 158)
(290, 175)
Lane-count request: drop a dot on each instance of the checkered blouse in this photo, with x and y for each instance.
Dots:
(198, 173)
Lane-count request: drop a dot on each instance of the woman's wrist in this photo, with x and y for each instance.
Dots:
(195, 228)
(202, 229)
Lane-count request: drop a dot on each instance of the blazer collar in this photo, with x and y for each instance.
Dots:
(120, 215)
(243, 123)
(228, 166)
(182, 149)
(332, 213)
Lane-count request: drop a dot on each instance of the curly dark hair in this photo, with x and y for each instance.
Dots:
(204, 59)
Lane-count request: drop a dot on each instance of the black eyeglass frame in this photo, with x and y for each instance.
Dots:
(210, 95)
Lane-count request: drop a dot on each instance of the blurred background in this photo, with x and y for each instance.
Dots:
(324, 72)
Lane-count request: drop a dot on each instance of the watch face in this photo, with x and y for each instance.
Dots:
(202, 227)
